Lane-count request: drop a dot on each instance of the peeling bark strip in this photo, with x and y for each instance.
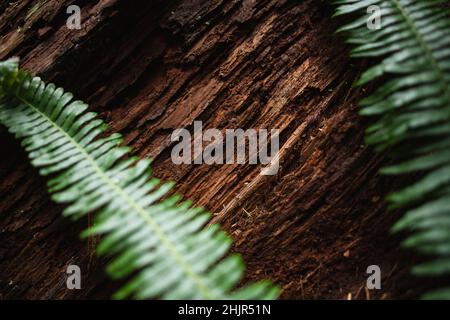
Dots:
(150, 67)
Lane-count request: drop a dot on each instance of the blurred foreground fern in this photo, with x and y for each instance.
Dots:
(413, 109)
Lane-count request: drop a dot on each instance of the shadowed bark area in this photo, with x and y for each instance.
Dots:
(150, 67)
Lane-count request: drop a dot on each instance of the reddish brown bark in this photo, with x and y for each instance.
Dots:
(150, 67)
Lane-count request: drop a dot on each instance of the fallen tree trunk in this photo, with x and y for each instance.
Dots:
(151, 67)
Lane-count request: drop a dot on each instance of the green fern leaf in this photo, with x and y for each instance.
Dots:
(162, 241)
(413, 47)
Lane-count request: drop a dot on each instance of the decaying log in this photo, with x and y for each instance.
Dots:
(150, 67)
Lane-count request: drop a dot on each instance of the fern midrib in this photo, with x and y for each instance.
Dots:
(423, 44)
(133, 204)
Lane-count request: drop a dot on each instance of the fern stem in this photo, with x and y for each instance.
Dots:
(423, 44)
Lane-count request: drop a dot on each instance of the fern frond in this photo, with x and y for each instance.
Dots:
(164, 240)
(413, 46)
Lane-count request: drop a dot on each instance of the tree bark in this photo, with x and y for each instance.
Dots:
(150, 67)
